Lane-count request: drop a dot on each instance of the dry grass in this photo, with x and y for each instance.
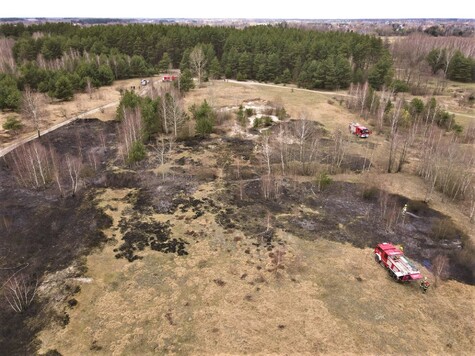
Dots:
(295, 101)
(329, 299)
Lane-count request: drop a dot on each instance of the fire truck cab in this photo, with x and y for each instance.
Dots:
(399, 266)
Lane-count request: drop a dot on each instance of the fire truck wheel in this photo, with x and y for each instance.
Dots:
(376, 258)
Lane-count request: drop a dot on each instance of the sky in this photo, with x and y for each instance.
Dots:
(288, 9)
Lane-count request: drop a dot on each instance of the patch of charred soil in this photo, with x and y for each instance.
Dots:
(41, 232)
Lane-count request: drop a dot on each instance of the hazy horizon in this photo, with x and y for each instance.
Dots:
(243, 9)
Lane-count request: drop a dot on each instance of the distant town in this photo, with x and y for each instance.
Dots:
(381, 27)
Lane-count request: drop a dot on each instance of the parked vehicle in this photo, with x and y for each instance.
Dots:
(359, 130)
(398, 265)
(169, 78)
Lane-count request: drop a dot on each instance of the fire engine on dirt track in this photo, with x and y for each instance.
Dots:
(169, 78)
(399, 266)
(359, 130)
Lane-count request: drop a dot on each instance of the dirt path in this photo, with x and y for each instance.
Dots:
(291, 88)
(460, 114)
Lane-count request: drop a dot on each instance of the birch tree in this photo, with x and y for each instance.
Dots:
(33, 107)
(175, 111)
(130, 131)
(198, 62)
(393, 133)
(73, 165)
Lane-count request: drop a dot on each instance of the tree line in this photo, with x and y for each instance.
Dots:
(419, 59)
(60, 59)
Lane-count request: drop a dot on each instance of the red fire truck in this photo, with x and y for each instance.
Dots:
(399, 266)
(169, 78)
(359, 130)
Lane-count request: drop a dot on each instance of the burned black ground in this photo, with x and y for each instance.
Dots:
(48, 232)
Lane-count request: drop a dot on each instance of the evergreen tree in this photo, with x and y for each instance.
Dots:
(245, 65)
(381, 74)
(185, 81)
(205, 118)
(63, 89)
(185, 60)
(52, 48)
(105, 76)
(436, 59)
(460, 68)
(260, 62)
(164, 63)
(138, 66)
(129, 100)
(286, 76)
(331, 80)
(273, 67)
(215, 69)
(10, 96)
(343, 72)
(31, 75)
(25, 49)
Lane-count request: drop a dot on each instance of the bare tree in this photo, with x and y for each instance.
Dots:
(7, 60)
(175, 111)
(161, 148)
(73, 165)
(89, 87)
(389, 210)
(282, 141)
(266, 151)
(163, 107)
(19, 292)
(381, 110)
(440, 265)
(130, 131)
(198, 62)
(239, 177)
(307, 140)
(363, 97)
(393, 133)
(271, 186)
(337, 150)
(57, 169)
(33, 107)
(31, 165)
(471, 198)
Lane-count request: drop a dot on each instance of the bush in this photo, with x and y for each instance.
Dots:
(281, 113)
(323, 180)
(137, 152)
(204, 126)
(250, 112)
(400, 86)
(12, 124)
(264, 121)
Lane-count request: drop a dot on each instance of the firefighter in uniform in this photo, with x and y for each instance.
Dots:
(425, 285)
(404, 209)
